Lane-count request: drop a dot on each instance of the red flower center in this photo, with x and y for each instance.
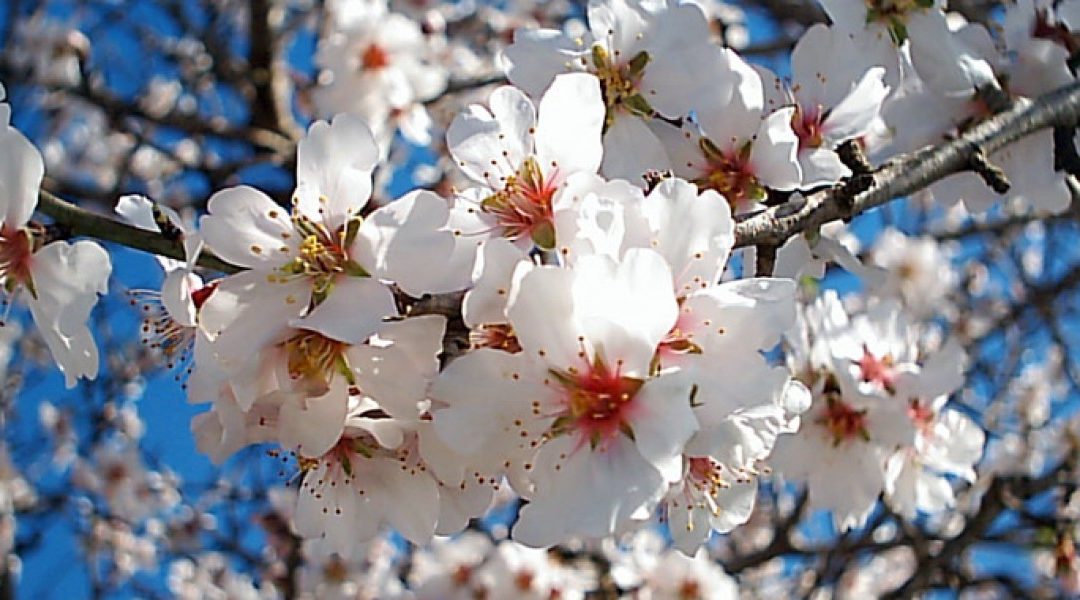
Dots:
(842, 422)
(807, 126)
(523, 207)
(201, 295)
(374, 58)
(598, 403)
(731, 174)
(878, 370)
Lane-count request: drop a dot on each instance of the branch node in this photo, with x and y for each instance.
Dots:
(847, 191)
(994, 97)
(991, 174)
(852, 155)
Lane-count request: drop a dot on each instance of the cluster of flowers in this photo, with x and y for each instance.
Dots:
(469, 566)
(617, 368)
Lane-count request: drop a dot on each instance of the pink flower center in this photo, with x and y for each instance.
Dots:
(922, 414)
(877, 370)
(499, 336)
(807, 126)
(598, 403)
(706, 475)
(730, 173)
(842, 422)
(523, 207)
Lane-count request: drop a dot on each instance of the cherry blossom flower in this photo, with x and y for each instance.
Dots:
(834, 100)
(649, 58)
(318, 266)
(521, 156)
(169, 315)
(880, 29)
(919, 271)
(580, 411)
(738, 146)
(876, 422)
(1030, 70)
(59, 281)
(380, 65)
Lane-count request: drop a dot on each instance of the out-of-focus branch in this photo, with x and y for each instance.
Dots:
(1003, 491)
(906, 174)
(271, 107)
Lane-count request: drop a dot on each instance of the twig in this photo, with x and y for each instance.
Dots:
(80, 221)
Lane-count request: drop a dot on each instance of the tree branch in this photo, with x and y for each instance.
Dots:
(909, 173)
(79, 221)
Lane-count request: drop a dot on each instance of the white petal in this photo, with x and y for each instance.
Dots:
(495, 265)
(246, 228)
(694, 233)
(408, 499)
(353, 311)
(333, 169)
(490, 145)
(543, 315)
(662, 423)
(944, 63)
(752, 313)
(311, 426)
(537, 56)
(21, 172)
(137, 210)
(631, 149)
(402, 238)
(821, 166)
(596, 216)
(568, 133)
(398, 376)
(176, 293)
(774, 157)
(626, 308)
(855, 114)
(582, 492)
(67, 279)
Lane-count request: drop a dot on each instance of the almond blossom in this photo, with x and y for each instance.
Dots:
(59, 281)
(877, 423)
(521, 155)
(380, 65)
(737, 145)
(882, 29)
(318, 266)
(713, 342)
(835, 100)
(579, 412)
(649, 59)
(169, 315)
(1035, 67)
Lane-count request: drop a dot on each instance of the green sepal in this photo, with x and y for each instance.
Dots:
(637, 64)
(543, 235)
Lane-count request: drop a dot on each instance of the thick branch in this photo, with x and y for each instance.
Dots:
(909, 173)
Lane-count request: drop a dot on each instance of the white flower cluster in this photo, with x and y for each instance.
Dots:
(618, 369)
(878, 422)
